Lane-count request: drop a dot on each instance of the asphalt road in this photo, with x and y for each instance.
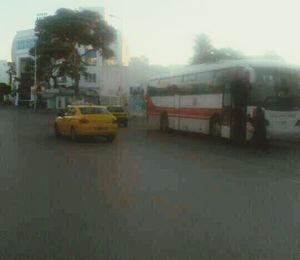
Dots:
(146, 196)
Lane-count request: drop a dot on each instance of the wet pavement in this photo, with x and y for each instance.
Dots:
(146, 196)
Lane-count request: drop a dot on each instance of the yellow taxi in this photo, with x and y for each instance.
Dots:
(119, 113)
(86, 120)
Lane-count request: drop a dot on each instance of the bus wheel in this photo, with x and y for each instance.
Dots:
(215, 128)
(164, 124)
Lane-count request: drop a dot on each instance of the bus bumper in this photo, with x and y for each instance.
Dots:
(291, 135)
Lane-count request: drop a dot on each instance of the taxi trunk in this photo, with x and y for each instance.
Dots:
(94, 124)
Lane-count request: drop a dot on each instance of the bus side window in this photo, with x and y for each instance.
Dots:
(153, 83)
(218, 82)
(227, 95)
(205, 82)
(176, 80)
(191, 78)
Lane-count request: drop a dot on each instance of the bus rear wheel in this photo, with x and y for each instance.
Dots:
(215, 128)
(164, 123)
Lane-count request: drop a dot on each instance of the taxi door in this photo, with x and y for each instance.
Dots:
(67, 120)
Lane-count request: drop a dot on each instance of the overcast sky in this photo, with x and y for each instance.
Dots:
(164, 30)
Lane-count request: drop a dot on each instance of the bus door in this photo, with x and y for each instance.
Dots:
(234, 118)
(238, 110)
(227, 109)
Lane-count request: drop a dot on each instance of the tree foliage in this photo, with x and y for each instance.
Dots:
(271, 55)
(61, 36)
(205, 52)
(141, 61)
(11, 71)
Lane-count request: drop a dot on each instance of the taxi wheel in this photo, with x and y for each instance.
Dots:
(110, 138)
(56, 131)
(74, 136)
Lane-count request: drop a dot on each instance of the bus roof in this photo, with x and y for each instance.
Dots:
(226, 64)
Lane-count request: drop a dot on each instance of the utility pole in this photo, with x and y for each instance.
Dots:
(120, 88)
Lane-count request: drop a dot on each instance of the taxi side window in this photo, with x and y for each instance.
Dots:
(71, 111)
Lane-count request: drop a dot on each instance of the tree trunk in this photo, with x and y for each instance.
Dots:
(10, 79)
(54, 82)
(76, 85)
(76, 70)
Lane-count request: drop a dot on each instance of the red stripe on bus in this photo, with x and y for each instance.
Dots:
(197, 112)
(180, 116)
(183, 112)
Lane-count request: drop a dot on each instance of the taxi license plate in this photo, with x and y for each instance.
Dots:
(101, 128)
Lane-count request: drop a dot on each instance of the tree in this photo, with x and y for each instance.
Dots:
(228, 54)
(11, 71)
(272, 55)
(205, 52)
(66, 37)
(48, 63)
(139, 61)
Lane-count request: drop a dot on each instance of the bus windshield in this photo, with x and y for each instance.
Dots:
(276, 89)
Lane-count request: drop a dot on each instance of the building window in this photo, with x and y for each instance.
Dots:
(25, 44)
(90, 77)
(91, 58)
(62, 79)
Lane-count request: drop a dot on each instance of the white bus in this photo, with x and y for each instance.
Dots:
(221, 99)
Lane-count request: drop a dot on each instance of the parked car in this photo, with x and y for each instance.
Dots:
(119, 113)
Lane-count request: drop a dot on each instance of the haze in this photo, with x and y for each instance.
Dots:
(164, 31)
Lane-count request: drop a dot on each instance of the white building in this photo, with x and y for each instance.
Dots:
(4, 77)
(22, 43)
